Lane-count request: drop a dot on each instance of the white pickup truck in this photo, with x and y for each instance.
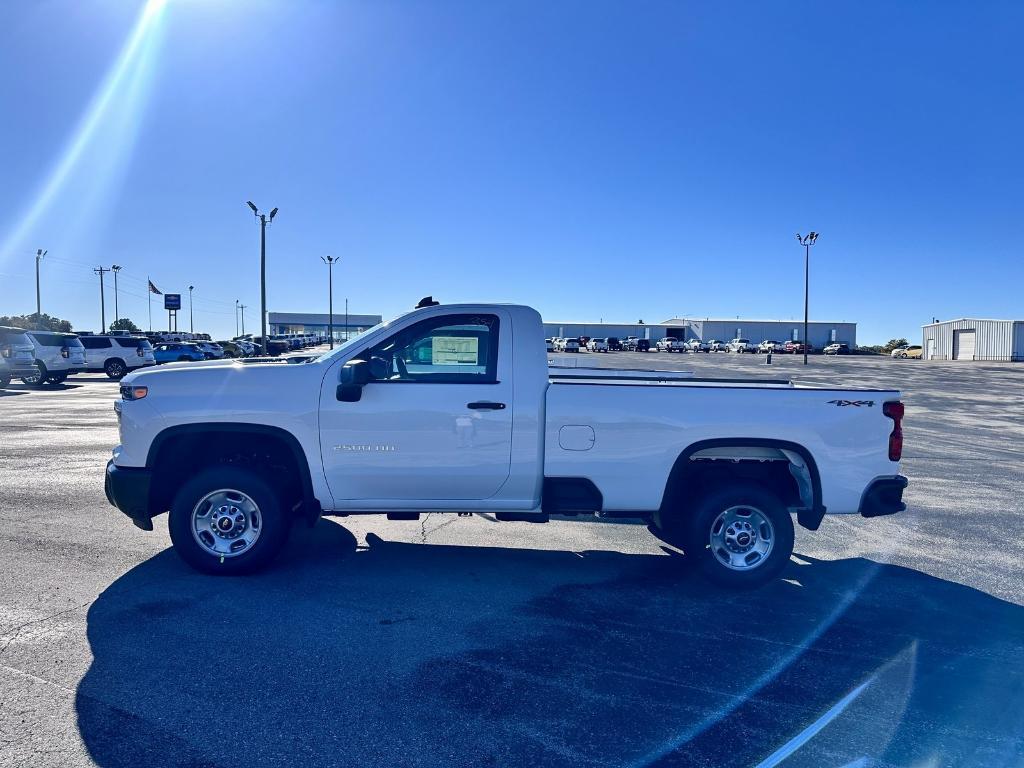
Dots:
(454, 409)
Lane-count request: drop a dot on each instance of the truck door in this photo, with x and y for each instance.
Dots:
(435, 421)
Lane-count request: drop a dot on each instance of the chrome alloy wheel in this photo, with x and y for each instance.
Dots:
(742, 537)
(226, 523)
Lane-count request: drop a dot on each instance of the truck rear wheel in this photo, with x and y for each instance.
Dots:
(228, 521)
(741, 536)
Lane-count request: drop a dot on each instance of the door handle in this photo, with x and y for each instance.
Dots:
(483, 405)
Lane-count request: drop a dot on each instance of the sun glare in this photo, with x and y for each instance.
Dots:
(104, 134)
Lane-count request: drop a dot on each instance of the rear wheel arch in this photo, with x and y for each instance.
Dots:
(693, 475)
(179, 451)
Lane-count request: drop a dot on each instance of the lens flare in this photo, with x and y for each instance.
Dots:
(104, 135)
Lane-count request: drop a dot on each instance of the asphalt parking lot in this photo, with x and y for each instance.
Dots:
(465, 642)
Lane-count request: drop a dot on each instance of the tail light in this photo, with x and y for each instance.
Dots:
(65, 352)
(140, 351)
(894, 410)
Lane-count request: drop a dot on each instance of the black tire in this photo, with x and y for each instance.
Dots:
(696, 535)
(115, 369)
(39, 379)
(273, 521)
(5, 381)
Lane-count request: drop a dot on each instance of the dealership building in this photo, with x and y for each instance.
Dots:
(345, 325)
(973, 339)
(820, 333)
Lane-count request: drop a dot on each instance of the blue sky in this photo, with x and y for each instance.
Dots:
(595, 160)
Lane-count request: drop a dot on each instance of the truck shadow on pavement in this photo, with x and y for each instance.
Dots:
(403, 654)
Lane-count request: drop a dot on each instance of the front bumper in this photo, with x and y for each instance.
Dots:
(884, 496)
(127, 488)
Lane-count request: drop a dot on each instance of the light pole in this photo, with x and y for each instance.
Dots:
(115, 269)
(242, 307)
(103, 308)
(806, 241)
(330, 261)
(39, 257)
(264, 220)
(191, 324)
(236, 319)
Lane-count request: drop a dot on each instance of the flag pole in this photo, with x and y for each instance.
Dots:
(149, 295)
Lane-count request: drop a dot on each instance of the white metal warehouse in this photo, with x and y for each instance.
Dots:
(973, 339)
(820, 332)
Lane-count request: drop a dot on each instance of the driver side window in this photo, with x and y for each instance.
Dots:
(455, 349)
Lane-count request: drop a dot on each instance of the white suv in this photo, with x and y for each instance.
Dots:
(116, 355)
(57, 356)
(17, 355)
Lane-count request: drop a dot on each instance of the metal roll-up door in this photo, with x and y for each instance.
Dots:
(963, 345)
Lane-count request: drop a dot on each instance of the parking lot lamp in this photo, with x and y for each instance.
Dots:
(806, 241)
(264, 219)
(191, 325)
(330, 261)
(117, 316)
(39, 257)
(242, 307)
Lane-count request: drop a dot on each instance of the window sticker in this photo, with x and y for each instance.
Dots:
(455, 350)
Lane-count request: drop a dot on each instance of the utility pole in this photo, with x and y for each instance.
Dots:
(191, 324)
(806, 241)
(39, 311)
(103, 309)
(330, 261)
(236, 318)
(242, 307)
(264, 220)
(117, 316)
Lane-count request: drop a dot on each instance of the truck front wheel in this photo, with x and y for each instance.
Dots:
(228, 521)
(740, 536)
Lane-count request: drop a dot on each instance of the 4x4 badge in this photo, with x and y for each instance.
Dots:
(858, 403)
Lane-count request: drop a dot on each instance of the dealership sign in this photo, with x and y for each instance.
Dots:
(172, 301)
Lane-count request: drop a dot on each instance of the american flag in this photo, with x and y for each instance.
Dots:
(154, 289)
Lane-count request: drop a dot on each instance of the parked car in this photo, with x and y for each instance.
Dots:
(797, 348)
(671, 344)
(178, 352)
(550, 345)
(913, 352)
(741, 345)
(570, 345)
(57, 356)
(232, 349)
(212, 350)
(597, 345)
(837, 349)
(235, 490)
(614, 344)
(697, 345)
(275, 345)
(898, 351)
(116, 355)
(768, 345)
(629, 343)
(714, 345)
(17, 353)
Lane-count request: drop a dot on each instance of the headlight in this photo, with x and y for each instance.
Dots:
(129, 392)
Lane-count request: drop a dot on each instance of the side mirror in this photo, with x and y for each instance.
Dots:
(355, 374)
